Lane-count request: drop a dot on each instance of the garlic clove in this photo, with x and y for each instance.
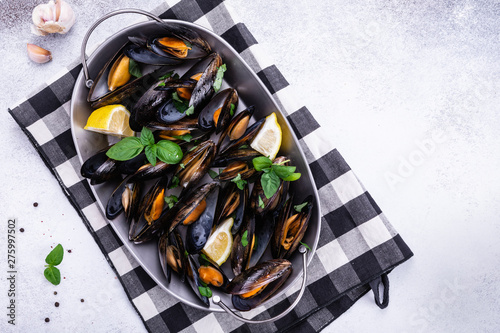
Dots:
(52, 17)
(38, 54)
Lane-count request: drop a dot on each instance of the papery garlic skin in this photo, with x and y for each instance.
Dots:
(38, 54)
(52, 17)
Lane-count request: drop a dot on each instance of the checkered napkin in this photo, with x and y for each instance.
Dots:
(357, 244)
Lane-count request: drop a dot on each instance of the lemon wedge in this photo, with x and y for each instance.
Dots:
(111, 120)
(268, 140)
(219, 244)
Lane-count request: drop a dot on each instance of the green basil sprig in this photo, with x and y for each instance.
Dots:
(218, 77)
(128, 148)
(133, 68)
(182, 105)
(239, 182)
(54, 258)
(270, 179)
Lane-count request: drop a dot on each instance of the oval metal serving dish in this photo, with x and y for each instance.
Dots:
(251, 92)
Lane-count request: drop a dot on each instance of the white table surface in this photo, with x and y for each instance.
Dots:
(408, 93)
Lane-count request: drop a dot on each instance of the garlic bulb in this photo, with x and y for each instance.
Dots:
(38, 54)
(52, 17)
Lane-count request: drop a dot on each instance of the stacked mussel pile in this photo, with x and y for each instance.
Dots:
(165, 202)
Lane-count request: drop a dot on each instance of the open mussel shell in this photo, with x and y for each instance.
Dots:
(204, 72)
(232, 202)
(290, 228)
(100, 168)
(179, 42)
(126, 94)
(236, 168)
(185, 210)
(243, 244)
(194, 279)
(237, 127)
(124, 198)
(255, 285)
(245, 138)
(172, 255)
(269, 205)
(211, 273)
(198, 232)
(195, 164)
(217, 113)
(150, 208)
(246, 154)
(145, 109)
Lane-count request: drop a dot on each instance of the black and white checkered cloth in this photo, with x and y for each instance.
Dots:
(357, 244)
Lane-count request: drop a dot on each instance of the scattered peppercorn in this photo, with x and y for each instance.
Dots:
(69, 251)
(82, 300)
(55, 292)
(56, 304)
(35, 204)
(21, 230)
(47, 320)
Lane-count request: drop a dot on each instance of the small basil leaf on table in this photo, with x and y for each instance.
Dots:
(55, 256)
(52, 274)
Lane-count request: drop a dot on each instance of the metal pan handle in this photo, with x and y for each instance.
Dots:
(88, 81)
(216, 299)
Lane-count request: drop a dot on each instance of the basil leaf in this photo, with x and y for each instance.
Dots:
(298, 208)
(55, 256)
(166, 76)
(151, 153)
(133, 68)
(205, 291)
(125, 149)
(239, 182)
(243, 147)
(231, 112)
(52, 274)
(218, 77)
(270, 183)
(261, 162)
(176, 97)
(244, 240)
(190, 110)
(185, 137)
(171, 200)
(212, 173)
(261, 203)
(307, 246)
(293, 177)
(186, 254)
(283, 171)
(161, 84)
(174, 182)
(182, 166)
(203, 260)
(147, 137)
(169, 152)
(188, 44)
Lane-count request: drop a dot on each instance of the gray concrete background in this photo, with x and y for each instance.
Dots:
(408, 92)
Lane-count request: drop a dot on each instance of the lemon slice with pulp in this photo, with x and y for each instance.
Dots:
(219, 244)
(111, 120)
(268, 140)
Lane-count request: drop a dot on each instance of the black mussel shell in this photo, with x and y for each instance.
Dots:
(282, 232)
(264, 228)
(151, 210)
(242, 250)
(236, 168)
(131, 166)
(237, 127)
(195, 164)
(100, 168)
(205, 261)
(194, 279)
(232, 202)
(223, 101)
(246, 154)
(171, 250)
(145, 56)
(245, 139)
(198, 232)
(148, 171)
(270, 275)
